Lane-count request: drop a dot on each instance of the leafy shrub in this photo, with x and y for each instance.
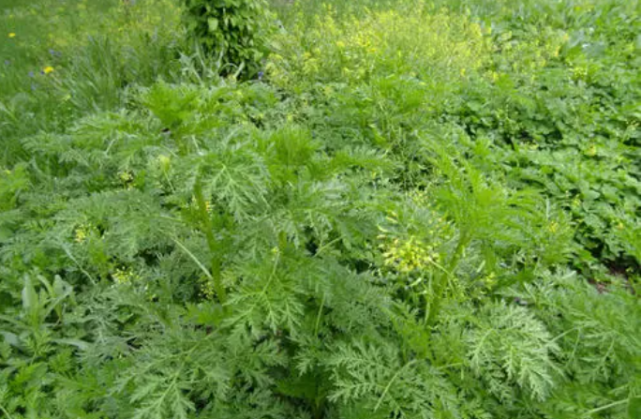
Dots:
(566, 108)
(561, 115)
(428, 48)
(398, 242)
(245, 271)
(234, 31)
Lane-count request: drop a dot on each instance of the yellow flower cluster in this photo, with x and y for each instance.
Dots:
(123, 276)
(527, 57)
(580, 72)
(207, 204)
(125, 177)
(410, 242)
(82, 233)
(407, 255)
(420, 42)
(207, 289)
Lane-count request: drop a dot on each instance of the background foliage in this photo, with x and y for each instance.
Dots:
(233, 31)
(418, 209)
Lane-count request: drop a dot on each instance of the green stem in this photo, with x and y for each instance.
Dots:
(318, 317)
(5, 412)
(391, 381)
(458, 253)
(282, 241)
(608, 406)
(432, 312)
(208, 229)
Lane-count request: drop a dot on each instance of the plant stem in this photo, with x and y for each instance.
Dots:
(5, 412)
(441, 281)
(608, 406)
(391, 381)
(208, 229)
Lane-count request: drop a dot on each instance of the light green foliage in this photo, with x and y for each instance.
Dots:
(424, 209)
(510, 345)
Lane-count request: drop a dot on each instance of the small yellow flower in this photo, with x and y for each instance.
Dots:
(48, 70)
(591, 152)
(125, 177)
(81, 235)
(12, 35)
(409, 255)
(207, 289)
(122, 276)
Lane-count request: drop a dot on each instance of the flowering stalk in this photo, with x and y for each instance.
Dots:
(212, 243)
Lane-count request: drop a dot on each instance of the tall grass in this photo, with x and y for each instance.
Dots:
(69, 58)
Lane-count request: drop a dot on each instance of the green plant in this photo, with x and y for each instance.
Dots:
(233, 31)
(433, 222)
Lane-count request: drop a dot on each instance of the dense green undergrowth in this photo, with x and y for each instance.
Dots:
(416, 209)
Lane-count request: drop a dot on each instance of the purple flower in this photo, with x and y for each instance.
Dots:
(7, 62)
(260, 75)
(31, 74)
